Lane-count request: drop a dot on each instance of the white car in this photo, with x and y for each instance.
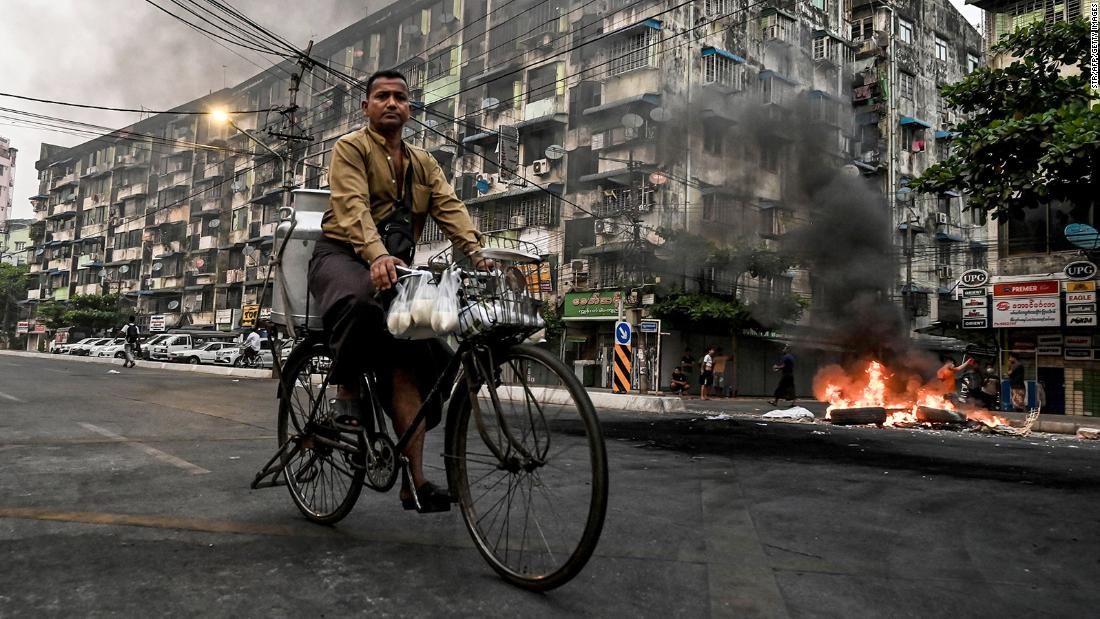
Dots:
(147, 345)
(115, 349)
(205, 353)
(82, 348)
(64, 349)
(93, 351)
(232, 355)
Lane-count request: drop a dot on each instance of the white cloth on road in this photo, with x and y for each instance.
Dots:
(797, 413)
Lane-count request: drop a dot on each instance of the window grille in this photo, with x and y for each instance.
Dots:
(720, 70)
(634, 51)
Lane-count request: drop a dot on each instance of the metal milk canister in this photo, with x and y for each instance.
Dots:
(298, 230)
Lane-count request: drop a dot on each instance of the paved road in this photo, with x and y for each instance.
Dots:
(128, 494)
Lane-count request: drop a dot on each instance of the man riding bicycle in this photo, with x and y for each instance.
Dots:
(250, 351)
(382, 193)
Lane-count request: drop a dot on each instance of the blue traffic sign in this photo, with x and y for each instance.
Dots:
(649, 326)
(622, 333)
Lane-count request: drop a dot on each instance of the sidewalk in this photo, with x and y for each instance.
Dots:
(157, 365)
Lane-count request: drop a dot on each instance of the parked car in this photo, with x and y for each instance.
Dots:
(115, 349)
(147, 345)
(82, 349)
(63, 349)
(202, 354)
(162, 350)
(232, 356)
(93, 351)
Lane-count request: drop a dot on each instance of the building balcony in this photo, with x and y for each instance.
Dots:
(65, 181)
(34, 294)
(209, 207)
(130, 161)
(89, 288)
(89, 260)
(130, 191)
(60, 294)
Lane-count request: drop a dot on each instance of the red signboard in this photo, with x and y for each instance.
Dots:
(1026, 289)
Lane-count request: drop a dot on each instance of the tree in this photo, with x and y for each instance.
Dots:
(1032, 136)
(13, 288)
(83, 312)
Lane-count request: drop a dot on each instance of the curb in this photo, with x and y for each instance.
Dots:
(156, 365)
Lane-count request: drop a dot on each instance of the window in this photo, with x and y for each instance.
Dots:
(821, 47)
(769, 156)
(718, 8)
(905, 85)
(718, 69)
(723, 209)
(240, 218)
(905, 30)
(634, 51)
(19, 245)
(776, 26)
(941, 49)
(542, 82)
(863, 29)
(820, 5)
(535, 143)
(712, 142)
(440, 64)
(972, 63)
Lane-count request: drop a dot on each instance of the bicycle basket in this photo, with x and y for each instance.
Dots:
(501, 287)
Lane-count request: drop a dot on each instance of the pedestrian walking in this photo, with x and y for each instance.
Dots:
(785, 389)
(706, 373)
(1016, 384)
(131, 348)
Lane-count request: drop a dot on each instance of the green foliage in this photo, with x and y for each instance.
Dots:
(1033, 136)
(698, 311)
(84, 312)
(13, 288)
(555, 326)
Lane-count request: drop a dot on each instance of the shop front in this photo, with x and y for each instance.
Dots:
(1048, 322)
(589, 338)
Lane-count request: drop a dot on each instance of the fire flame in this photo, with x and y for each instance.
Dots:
(843, 389)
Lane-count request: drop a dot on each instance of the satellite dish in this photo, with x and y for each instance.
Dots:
(39, 251)
(431, 123)
(409, 131)
(248, 250)
(850, 170)
(173, 304)
(658, 178)
(1083, 236)
(555, 152)
(660, 114)
(199, 263)
(482, 185)
(124, 269)
(489, 103)
(214, 223)
(632, 120)
(157, 266)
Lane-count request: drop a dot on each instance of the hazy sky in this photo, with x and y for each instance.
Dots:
(126, 53)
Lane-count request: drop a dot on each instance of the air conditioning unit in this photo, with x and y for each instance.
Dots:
(541, 167)
(941, 219)
(605, 226)
(579, 266)
(517, 221)
(944, 272)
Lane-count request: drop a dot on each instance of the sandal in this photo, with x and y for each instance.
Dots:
(428, 498)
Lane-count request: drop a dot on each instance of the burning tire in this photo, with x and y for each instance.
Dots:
(858, 416)
(927, 414)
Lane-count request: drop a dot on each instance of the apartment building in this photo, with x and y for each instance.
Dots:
(7, 180)
(584, 127)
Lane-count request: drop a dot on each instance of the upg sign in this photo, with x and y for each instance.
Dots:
(1082, 269)
(974, 278)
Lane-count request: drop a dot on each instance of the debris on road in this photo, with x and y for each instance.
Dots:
(113, 372)
(796, 413)
(1088, 433)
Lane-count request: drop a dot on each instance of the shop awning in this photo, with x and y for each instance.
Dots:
(715, 51)
(616, 247)
(649, 98)
(948, 237)
(944, 135)
(484, 136)
(909, 120)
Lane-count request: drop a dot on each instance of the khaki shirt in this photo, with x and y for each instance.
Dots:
(364, 191)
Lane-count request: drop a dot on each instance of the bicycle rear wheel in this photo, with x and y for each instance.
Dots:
(533, 503)
(322, 479)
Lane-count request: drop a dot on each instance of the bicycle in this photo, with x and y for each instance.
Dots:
(514, 415)
(246, 360)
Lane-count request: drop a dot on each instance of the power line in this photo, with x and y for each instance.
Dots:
(126, 109)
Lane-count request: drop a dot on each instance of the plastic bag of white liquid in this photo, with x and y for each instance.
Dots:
(422, 300)
(399, 316)
(445, 312)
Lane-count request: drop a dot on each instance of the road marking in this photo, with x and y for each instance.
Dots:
(156, 522)
(168, 458)
(9, 397)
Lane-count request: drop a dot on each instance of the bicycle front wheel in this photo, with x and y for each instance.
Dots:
(530, 467)
(323, 480)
